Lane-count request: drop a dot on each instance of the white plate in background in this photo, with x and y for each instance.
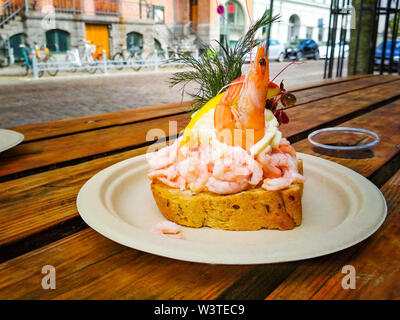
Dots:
(9, 139)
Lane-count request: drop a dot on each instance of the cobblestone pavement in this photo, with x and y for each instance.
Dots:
(24, 100)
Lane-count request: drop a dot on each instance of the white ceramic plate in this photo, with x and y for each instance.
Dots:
(9, 139)
(340, 209)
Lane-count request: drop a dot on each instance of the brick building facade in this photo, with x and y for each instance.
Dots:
(150, 25)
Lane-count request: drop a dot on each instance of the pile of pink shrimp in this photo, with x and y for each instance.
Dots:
(204, 169)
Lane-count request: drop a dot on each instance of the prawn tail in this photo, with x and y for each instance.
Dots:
(224, 115)
(266, 77)
(224, 122)
(231, 95)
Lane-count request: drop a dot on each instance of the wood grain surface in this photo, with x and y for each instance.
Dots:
(376, 262)
(101, 142)
(367, 163)
(81, 146)
(71, 126)
(90, 266)
(33, 203)
(103, 120)
(55, 190)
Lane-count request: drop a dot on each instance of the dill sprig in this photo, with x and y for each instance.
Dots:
(211, 72)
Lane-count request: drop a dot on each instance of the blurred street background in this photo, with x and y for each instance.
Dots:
(68, 58)
(31, 101)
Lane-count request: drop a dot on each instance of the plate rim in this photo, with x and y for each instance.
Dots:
(19, 138)
(161, 245)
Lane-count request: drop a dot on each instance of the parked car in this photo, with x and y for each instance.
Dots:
(338, 47)
(276, 51)
(303, 49)
(396, 54)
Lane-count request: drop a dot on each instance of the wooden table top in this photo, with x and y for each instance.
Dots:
(40, 225)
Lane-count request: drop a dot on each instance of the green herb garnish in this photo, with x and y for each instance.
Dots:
(212, 72)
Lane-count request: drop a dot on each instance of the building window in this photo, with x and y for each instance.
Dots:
(232, 23)
(159, 14)
(294, 27)
(320, 29)
(57, 41)
(134, 41)
(233, 14)
(309, 32)
(157, 45)
(15, 42)
(109, 7)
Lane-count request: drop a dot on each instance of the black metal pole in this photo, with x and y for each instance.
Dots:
(385, 34)
(333, 39)
(345, 34)
(327, 43)
(271, 4)
(360, 10)
(341, 41)
(394, 37)
(371, 63)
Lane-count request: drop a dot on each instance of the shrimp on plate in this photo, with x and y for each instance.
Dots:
(167, 228)
(234, 173)
(239, 117)
(225, 165)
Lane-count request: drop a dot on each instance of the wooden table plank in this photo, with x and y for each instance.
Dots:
(118, 275)
(33, 203)
(133, 268)
(103, 120)
(308, 280)
(92, 122)
(385, 121)
(386, 152)
(339, 108)
(54, 191)
(44, 153)
(331, 89)
(376, 262)
(41, 154)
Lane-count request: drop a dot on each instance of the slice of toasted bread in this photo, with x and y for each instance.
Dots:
(252, 209)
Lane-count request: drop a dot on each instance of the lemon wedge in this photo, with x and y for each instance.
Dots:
(199, 114)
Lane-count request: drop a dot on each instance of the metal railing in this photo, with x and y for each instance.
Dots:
(154, 61)
(9, 9)
(67, 6)
(374, 37)
(127, 9)
(107, 7)
(139, 10)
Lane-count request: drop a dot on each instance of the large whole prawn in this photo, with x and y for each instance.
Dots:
(239, 117)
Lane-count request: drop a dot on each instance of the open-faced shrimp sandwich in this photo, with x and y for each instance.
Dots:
(232, 169)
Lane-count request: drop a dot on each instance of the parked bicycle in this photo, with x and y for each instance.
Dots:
(27, 62)
(128, 57)
(86, 61)
(98, 53)
(140, 59)
(48, 61)
(122, 58)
